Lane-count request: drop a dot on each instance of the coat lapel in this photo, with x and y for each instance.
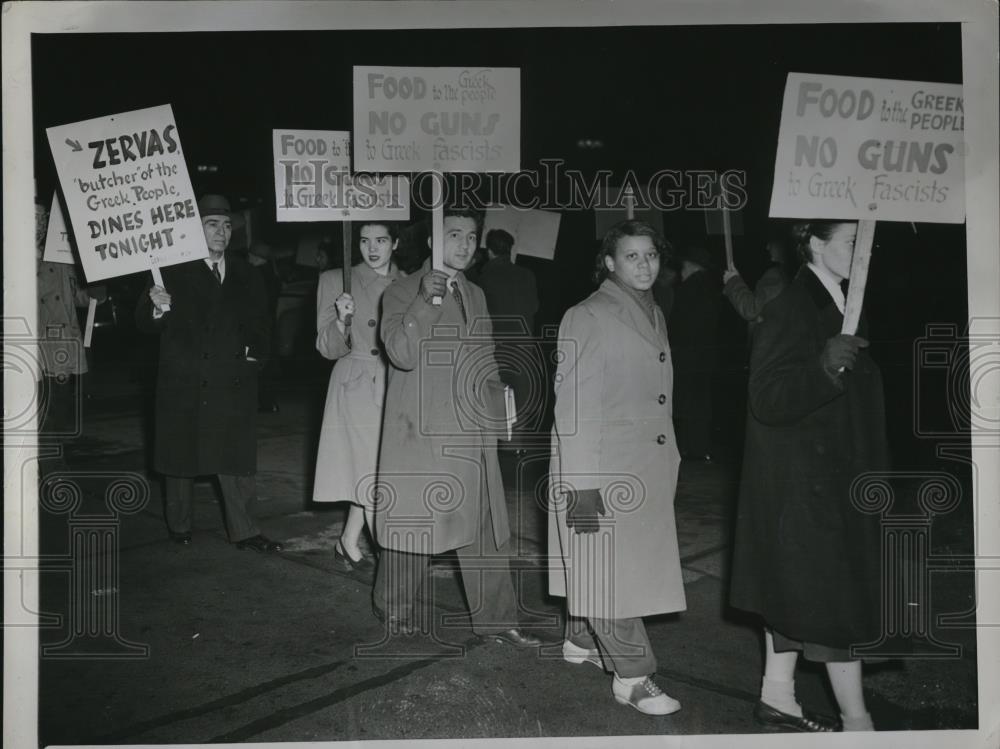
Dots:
(628, 311)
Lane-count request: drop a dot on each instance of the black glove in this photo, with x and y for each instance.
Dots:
(582, 509)
(840, 352)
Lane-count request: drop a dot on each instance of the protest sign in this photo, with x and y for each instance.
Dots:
(437, 119)
(313, 181)
(57, 247)
(644, 208)
(870, 148)
(128, 192)
(535, 232)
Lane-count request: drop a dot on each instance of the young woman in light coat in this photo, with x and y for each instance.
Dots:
(352, 420)
(614, 471)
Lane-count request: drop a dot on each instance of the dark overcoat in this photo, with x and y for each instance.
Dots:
(438, 470)
(206, 391)
(806, 559)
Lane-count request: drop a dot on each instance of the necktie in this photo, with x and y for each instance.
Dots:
(458, 300)
(215, 270)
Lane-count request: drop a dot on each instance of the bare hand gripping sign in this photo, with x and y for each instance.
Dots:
(128, 192)
(870, 148)
(437, 119)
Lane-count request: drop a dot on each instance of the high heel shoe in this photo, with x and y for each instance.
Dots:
(363, 567)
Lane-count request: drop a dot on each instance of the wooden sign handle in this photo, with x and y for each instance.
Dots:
(727, 232)
(859, 276)
(89, 329)
(437, 226)
(346, 228)
(158, 281)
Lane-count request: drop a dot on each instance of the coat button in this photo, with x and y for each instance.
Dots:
(371, 323)
(661, 439)
(663, 356)
(57, 297)
(374, 352)
(662, 399)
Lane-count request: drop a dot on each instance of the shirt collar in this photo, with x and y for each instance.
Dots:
(830, 283)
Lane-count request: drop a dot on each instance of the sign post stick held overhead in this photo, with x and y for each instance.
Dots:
(629, 203)
(346, 227)
(859, 276)
(158, 280)
(437, 225)
(727, 231)
(89, 329)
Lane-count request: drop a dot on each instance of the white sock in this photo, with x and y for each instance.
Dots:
(857, 722)
(780, 695)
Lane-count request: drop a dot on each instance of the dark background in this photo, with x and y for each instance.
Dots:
(656, 97)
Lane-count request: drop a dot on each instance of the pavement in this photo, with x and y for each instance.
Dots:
(152, 642)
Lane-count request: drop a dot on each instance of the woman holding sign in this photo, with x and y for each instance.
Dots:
(806, 556)
(347, 330)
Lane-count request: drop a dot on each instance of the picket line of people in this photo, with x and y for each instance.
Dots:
(415, 411)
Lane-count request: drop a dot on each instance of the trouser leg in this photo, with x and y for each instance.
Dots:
(625, 644)
(238, 496)
(179, 491)
(486, 578)
(578, 632)
(399, 579)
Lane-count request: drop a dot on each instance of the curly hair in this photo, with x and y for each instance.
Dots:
(802, 231)
(390, 226)
(631, 228)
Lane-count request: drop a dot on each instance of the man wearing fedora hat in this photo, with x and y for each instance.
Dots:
(214, 331)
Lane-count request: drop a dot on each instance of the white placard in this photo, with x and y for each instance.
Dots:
(128, 192)
(313, 181)
(437, 119)
(57, 247)
(870, 148)
(535, 232)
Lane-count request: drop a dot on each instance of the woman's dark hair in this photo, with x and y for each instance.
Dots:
(630, 228)
(390, 226)
(803, 230)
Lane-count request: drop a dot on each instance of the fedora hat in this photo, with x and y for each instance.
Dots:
(218, 205)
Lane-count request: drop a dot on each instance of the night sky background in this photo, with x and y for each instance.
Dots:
(658, 97)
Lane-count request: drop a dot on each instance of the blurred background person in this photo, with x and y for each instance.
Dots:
(693, 329)
(512, 299)
(777, 275)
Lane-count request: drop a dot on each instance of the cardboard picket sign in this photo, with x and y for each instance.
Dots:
(57, 244)
(128, 192)
(870, 148)
(313, 181)
(617, 211)
(535, 232)
(437, 119)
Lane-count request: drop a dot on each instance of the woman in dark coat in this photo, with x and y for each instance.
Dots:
(805, 558)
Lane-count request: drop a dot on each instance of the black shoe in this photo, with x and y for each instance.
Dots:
(515, 637)
(182, 539)
(776, 720)
(259, 543)
(396, 625)
(364, 568)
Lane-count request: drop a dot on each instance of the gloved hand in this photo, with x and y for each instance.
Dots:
(582, 509)
(840, 352)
